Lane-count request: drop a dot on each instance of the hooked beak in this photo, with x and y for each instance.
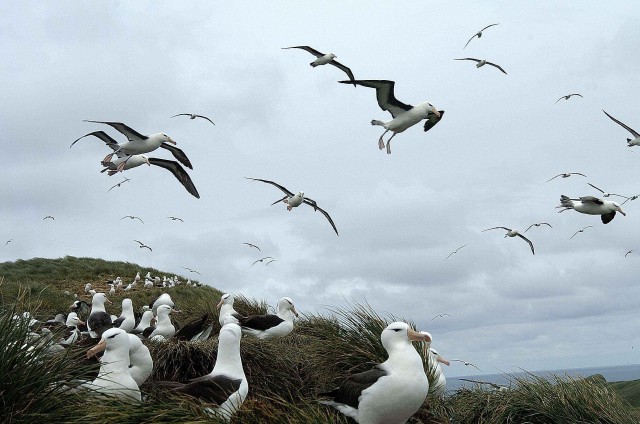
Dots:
(175, 311)
(620, 210)
(170, 140)
(293, 309)
(107, 300)
(102, 345)
(219, 305)
(437, 112)
(80, 322)
(418, 336)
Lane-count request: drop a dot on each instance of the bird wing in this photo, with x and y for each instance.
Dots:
(631, 130)
(529, 227)
(314, 52)
(496, 228)
(260, 322)
(130, 133)
(282, 188)
(191, 328)
(252, 245)
(488, 26)
(384, 95)
(469, 58)
(553, 177)
(577, 173)
(181, 114)
(472, 37)
(178, 154)
(215, 389)
(497, 66)
(136, 217)
(561, 97)
(177, 172)
(606, 218)
(351, 388)
(204, 117)
(576, 94)
(139, 242)
(592, 199)
(432, 120)
(344, 68)
(528, 241)
(102, 136)
(280, 200)
(322, 211)
(599, 189)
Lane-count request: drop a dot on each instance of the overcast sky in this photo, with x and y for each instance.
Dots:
(573, 304)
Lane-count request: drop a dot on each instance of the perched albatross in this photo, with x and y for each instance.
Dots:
(163, 327)
(140, 361)
(591, 206)
(404, 115)
(114, 378)
(636, 136)
(127, 319)
(391, 392)
(193, 116)
(226, 385)
(295, 200)
(482, 62)
(323, 59)
(270, 326)
(478, 34)
(513, 233)
(99, 320)
(226, 309)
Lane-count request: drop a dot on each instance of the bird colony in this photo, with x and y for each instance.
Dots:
(390, 392)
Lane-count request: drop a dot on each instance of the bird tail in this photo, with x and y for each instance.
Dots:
(565, 202)
(376, 122)
(110, 173)
(313, 64)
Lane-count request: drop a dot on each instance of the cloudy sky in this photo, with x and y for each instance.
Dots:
(573, 304)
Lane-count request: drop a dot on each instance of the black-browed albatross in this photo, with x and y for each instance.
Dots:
(193, 116)
(513, 233)
(323, 59)
(295, 200)
(404, 115)
(636, 136)
(478, 34)
(591, 205)
(482, 62)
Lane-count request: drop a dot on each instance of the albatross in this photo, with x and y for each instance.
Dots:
(568, 96)
(270, 326)
(404, 115)
(295, 200)
(226, 385)
(513, 233)
(227, 313)
(324, 59)
(478, 34)
(193, 116)
(391, 392)
(591, 205)
(482, 62)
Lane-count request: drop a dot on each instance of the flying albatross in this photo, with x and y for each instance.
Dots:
(568, 96)
(592, 206)
(138, 143)
(323, 59)
(513, 233)
(391, 392)
(566, 175)
(404, 115)
(193, 116)
(636, 136)
(478, 34)
(295, 200)
(226, 385)
(482, 62)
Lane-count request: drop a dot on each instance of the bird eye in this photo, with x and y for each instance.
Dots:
(111, 337)
(396, 329)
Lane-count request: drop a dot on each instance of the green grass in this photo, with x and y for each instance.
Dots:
(285, 375)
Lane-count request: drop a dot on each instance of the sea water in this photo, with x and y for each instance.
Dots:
(611, 374)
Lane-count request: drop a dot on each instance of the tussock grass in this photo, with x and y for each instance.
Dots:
(285, 375)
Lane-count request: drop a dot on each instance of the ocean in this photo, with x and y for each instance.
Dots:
(611, 374)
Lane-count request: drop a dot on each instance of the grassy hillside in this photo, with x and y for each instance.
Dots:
(285, 375)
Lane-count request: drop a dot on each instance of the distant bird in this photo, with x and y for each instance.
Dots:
(566, 175)
(48, 217)
(175, 218)
(630, 198)
(478, 34)
(261, 260)
(482, 62)
(272, 260)
(537, 225)
(455, 251)
(132, 217)
(142, 245)
(513, 233)
(138, 143)
(568, 96)
(119, 184)
(252, 245)
(466, 363)
(193, 116)
(440, 316)
(494, 385)
(191, 270)
(8, 241)
(580, 231)
(630, 251)
(605, 194)
(636, 136)
(390, 392)
(323, 59)
(404, 115)
(592, 206)
(295, 200)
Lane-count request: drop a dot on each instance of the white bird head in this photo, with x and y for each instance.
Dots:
(301, 194)
(286, 304)
(618, 208)
(168, 139)
(400, 333)
(333, 56)
(226, 299)
(145, 160)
